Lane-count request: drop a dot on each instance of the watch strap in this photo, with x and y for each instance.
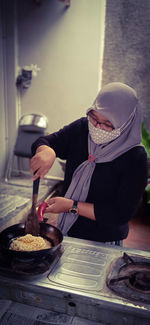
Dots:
(74, 208)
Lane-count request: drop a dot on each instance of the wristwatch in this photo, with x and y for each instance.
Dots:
(74, 208)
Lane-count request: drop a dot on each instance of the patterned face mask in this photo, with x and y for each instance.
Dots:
(101, 136)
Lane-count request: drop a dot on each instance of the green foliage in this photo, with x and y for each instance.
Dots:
(146, 139)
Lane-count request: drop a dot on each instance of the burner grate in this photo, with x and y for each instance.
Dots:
(27, 267)
(129, 277)
(30, 267)
(140, 281)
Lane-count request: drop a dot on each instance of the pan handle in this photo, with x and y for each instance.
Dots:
(41, 209)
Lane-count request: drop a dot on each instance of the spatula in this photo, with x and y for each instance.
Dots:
(32, 223)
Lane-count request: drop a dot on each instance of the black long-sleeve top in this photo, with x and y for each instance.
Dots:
(116, 186)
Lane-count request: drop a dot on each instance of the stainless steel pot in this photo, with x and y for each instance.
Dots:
(35, 122)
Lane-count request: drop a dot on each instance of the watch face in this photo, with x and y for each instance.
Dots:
(73, 210)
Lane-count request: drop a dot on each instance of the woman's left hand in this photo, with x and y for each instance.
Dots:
(58, 204)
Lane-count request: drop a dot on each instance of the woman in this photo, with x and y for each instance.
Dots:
(106, 167)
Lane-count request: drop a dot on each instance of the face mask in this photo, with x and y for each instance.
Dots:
(101, 136)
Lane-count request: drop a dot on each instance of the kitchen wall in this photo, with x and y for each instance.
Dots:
(8, 92)
(2, 111)
(67, 46)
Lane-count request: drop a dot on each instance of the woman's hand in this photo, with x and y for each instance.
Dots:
(42, 161)
(58, 204)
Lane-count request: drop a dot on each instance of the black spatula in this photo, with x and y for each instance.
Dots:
(32, 223)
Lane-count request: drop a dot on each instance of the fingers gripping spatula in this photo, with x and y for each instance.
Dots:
(32, 223)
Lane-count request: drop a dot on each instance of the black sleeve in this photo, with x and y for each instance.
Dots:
(131, 181)
(60, 141)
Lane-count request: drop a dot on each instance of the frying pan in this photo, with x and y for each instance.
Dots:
(47, 231)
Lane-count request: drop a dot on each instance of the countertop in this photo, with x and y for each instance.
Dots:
(16, 196)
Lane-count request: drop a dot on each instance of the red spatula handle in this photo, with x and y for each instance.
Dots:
(41, 209)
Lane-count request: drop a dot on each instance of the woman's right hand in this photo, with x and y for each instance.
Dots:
(42, 161)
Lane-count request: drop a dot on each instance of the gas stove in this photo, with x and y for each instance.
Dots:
(104, 284)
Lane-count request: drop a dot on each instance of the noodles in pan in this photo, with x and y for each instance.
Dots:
(29, 243)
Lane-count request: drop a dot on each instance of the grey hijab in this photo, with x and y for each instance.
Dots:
(119, 104)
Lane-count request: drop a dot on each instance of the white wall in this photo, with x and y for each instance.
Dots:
(67, 45)
(8, 63)
(2, 108)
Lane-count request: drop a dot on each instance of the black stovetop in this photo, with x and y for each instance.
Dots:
(28, 267)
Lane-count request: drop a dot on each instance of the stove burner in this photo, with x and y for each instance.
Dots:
(28, 267)
(130, 278)
(140, 281)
